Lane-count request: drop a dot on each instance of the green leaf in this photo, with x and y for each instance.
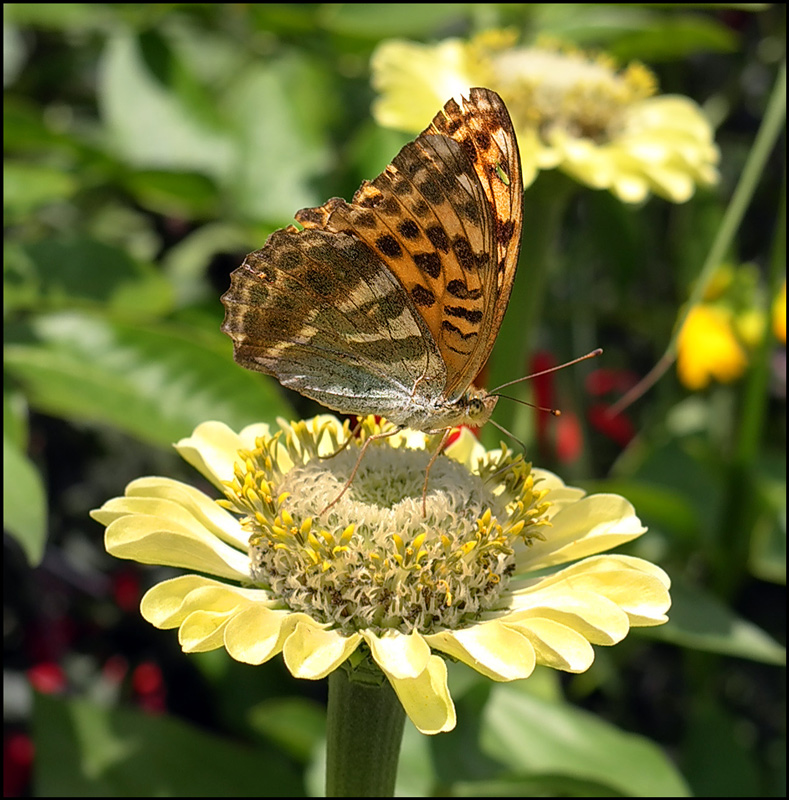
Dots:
(78, 269)
(281, 113)
(177, 194)
(560, 745)
(153, 381)
(676, 471)
(630, 32)
(186, 264)
(149, 124)
(24, 501)
(295, 724)
(30, 186)
(672, 38)
(27, 130)
(767, 558)
(85, 750)
(383, 20)
(658, 507)
(15, 414)
(73, 17)
(700, 621)
(717, 759)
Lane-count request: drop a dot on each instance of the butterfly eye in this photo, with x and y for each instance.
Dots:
(475, 407)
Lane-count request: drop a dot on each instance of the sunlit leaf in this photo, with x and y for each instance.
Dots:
(153, 381)
(280, 112)
(149, 124)
(557, 742)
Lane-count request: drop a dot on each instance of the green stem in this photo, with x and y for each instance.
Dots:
(770, 130)
(363, 734)
(740, 507)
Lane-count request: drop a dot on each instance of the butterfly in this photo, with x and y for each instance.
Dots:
(391, 304)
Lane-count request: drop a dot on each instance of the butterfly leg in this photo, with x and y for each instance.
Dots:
(355, 469)
(430, 463)
(351, 436)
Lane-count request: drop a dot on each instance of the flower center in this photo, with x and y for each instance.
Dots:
(585, 97)
(373, 560)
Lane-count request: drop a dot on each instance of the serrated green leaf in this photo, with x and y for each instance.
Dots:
(153, 381)
(86, 750)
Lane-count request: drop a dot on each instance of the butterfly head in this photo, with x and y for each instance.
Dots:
(479, 406)
(474, 408)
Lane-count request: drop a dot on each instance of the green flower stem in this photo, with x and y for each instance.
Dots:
(544, 206)
(737, 515)
(363, 734)
(770, 130)
(741, 506)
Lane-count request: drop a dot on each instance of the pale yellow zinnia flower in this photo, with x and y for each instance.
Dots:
(606, 128)
(502, 573)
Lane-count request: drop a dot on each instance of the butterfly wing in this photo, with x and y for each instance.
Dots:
(482, 126)
(322, 313)
(446, 216)
(393, 300)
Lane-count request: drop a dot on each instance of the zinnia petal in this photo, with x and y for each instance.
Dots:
(399, 655)
(494, 650)
(312, 651)
(213, 448)
(426, 698)
(591, 525)
(556, 645)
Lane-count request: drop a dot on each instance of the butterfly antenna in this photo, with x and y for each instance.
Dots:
(507, 433)
(593, 354)
(553, 411)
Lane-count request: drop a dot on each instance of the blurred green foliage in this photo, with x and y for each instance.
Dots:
(148, 147)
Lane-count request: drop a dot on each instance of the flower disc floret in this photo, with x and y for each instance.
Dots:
(373, 561)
